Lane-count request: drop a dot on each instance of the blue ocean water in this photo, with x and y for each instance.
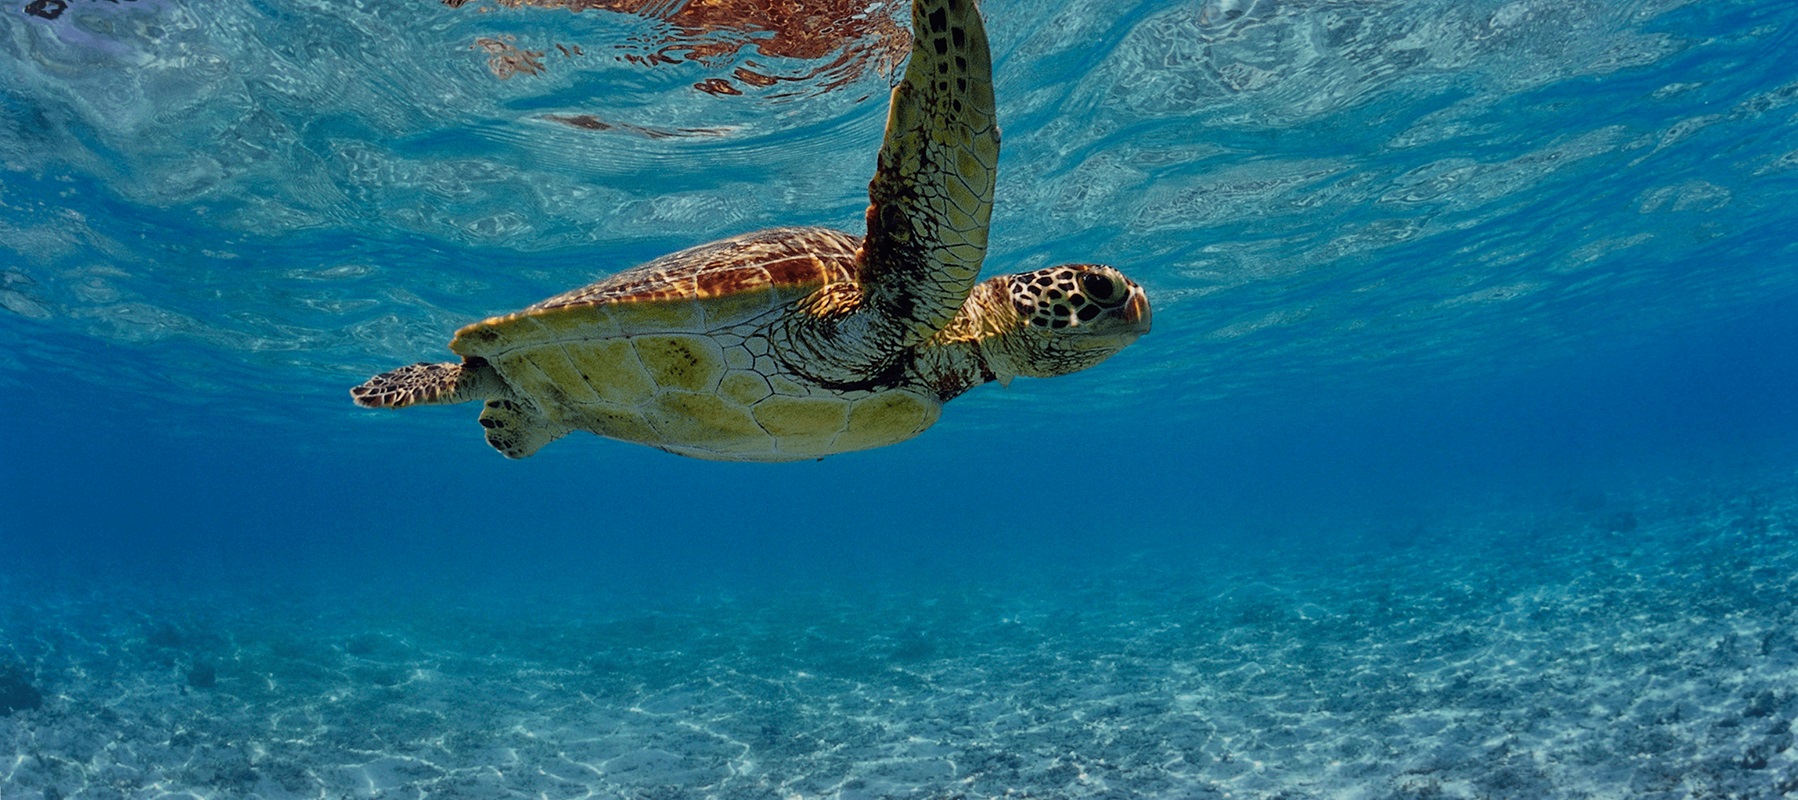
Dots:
(1462, 460)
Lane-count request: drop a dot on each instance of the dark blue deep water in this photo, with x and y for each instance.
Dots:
(1462, 461)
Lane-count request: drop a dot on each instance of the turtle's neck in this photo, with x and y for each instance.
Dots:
(956, 359)
(950, 369)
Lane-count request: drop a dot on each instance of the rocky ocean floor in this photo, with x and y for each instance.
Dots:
(1640, 649)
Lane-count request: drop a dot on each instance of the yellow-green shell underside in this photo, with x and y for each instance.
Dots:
(676, 354)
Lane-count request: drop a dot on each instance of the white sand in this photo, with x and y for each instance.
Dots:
(1499, 656)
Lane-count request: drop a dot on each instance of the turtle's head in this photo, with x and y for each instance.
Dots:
(1061, 319)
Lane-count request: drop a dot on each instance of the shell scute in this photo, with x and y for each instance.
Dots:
(803, 425)
(706, 421)
(531, 381)
(690, 363)
(684, 316)
(611, 368)
(618, 422)
(586, 322)
(731, 309)
(781, 384)
(744, 387)
(562, 374)
(802, 416)
(886, 418)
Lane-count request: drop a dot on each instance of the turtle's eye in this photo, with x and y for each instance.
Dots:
(1101, 288)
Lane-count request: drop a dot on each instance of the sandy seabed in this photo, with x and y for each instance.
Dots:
(1646, 649)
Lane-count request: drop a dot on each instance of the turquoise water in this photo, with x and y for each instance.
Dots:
(1462, 460)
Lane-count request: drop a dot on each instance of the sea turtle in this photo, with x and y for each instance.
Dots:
(797, 343)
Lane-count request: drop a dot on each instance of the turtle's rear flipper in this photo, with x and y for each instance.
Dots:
(422, 384)
(517, 431)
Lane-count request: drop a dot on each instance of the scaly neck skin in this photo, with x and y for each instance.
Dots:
(842, 344)
(963, 355)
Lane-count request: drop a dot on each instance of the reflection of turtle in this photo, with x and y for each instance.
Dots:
(846, 39)
(799, 342)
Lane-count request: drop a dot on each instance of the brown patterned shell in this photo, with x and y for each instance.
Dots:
(699, 289)
(676, 354)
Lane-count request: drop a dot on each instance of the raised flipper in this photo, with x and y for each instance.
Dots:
(428, 384)
(516, 430)
(932, 194)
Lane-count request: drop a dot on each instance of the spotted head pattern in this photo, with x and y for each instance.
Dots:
(1069, 295)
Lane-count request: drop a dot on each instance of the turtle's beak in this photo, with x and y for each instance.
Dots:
(1136, 311)
(1134, 317)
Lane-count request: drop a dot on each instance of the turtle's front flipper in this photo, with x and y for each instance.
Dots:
(427, 384)
(516, 430)
(932, 194)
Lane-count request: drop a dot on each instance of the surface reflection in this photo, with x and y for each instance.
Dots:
(846, 40)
